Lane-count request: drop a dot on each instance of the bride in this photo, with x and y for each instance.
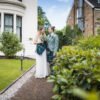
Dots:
(42, 66)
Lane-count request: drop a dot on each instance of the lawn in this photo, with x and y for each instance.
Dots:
(10, 70)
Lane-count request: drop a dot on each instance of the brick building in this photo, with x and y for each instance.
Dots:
(86, 14)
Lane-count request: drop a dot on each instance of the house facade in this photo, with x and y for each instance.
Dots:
(20, 17)
(86, 14)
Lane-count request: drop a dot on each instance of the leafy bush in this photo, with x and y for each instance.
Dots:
(92, 95)
(71, 34)
(42, 18)
(68, 36)
(10, 44)
(73, 68)
(90, 42)
(98, 31)
(61, 38)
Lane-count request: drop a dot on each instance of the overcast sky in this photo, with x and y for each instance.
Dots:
(56, 11)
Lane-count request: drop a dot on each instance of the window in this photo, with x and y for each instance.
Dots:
(19, 27)
(8, 23)
(81, 24)
(98, 1)
(79, 12)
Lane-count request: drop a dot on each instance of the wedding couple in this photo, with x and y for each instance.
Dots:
(46, 48)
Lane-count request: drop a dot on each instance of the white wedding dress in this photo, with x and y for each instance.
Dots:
(42, 66)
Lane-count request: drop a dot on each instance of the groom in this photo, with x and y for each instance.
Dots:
(53, 42)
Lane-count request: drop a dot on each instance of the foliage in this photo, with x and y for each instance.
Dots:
(89, 42)
(73, 68)
(61, 38)
(41, 17)
(77, 31)
(92, 95)
(98, 31)
(68, 36)
(10, 44)
(71, 34)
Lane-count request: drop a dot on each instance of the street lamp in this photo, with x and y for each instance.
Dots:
(21, 59)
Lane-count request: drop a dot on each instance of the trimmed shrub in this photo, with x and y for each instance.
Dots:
(10, 44)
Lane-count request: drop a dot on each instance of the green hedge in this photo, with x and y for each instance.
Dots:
(75, 68)
(89, 42)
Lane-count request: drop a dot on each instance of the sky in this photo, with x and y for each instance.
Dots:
(56, 11)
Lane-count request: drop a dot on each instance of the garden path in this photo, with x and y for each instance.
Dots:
(34, 89)
(29, 88)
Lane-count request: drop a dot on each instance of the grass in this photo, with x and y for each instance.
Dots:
(10, 70)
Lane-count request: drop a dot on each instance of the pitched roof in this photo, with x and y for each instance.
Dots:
(94, 3)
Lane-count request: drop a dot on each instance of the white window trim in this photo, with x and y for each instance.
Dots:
(2, 22)
(89, 3)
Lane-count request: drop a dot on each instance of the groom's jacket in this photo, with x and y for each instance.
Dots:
(53, 42)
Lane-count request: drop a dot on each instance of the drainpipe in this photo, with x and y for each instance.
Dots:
(93, 21)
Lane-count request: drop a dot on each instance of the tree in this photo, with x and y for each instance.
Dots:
(42, 17)
(68, 36)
